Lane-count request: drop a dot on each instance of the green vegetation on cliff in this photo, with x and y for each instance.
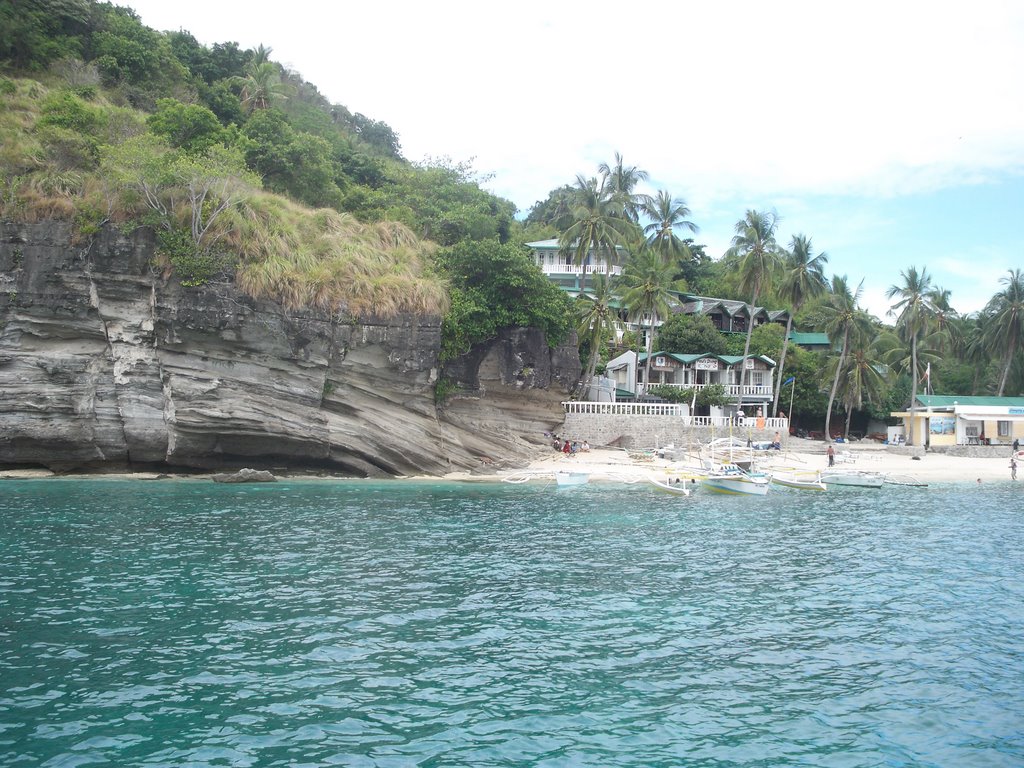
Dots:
(244, 169)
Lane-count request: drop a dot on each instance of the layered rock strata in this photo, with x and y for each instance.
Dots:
(107, 365)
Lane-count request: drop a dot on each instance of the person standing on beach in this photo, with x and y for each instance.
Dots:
(1013, 467)
(831, 455)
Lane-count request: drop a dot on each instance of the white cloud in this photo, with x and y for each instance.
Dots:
(879, 98)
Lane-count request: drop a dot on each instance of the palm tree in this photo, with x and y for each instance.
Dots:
(863, 378)
(262, 54)
(261, 83)
(621, 182)
(1005, 329)
(596, 227)
(647, 284)
(803, 278)
(915, 314)
(598, 322)
(666, 213)
(840, 317)
(754, 245)
(946, 323)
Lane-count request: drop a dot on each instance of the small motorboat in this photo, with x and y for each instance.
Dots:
(857, 478)
(565, 479)
(679, 488)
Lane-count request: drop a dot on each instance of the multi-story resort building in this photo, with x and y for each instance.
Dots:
(684, 371)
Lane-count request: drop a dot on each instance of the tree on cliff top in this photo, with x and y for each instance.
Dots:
(185, 192)
(494, 286)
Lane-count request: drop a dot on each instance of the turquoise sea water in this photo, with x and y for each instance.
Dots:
(183, 623)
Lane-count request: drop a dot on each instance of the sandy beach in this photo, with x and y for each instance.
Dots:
(613, 464)
(619, 465)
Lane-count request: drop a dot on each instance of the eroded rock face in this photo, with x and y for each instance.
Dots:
(106, 365)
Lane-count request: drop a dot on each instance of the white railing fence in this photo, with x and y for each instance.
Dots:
(576, 269)
(671, 410)
(732, 390)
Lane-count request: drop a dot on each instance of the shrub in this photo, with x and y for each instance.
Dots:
(672, 394)
(443, 389)
(712, 394)
(193, 265)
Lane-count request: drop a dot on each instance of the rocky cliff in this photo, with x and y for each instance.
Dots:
(106, 365)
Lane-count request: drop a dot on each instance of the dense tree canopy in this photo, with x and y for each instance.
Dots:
(690, 335)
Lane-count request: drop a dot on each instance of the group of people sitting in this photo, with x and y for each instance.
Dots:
(567, 447)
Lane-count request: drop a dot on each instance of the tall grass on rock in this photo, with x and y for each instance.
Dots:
(330, 261)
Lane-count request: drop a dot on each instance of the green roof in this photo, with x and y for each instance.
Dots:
(809, 339)
(948, 401)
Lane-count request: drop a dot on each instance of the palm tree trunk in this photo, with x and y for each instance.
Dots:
(835, 387)
(782, 366)
(1006, 373)
(913, 387)
(583, 386)
(650, 345)
(849, 415)
(746, 348)
(583, 278)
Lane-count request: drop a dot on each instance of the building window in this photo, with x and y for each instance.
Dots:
(1003, 428)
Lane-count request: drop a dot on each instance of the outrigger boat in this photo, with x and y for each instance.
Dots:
(729, 478)
(736, 476)
(857, 478)
(801, 482)
(678, 488)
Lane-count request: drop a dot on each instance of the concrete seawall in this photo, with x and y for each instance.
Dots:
(646, 432)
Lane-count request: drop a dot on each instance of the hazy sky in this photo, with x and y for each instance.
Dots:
(891, 133)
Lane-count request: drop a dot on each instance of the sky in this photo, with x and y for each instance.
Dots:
(890, 133)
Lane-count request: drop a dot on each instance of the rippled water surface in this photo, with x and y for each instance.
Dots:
(183, 623)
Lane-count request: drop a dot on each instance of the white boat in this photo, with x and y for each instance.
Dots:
(680, 489)
(858, 478)
(728, 478)
(801, 482)
(571, 478)
(907, 480)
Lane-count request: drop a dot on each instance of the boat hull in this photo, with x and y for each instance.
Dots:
(736, 486)
(571, 478)
(801, 484)
(678, 489)
(853, 479)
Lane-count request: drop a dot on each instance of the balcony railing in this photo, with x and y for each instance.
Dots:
(765, 392)
(576, 269)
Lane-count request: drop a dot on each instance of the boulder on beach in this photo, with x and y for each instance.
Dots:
(245, 476)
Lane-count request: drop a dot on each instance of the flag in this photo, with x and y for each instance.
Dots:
(790, 380)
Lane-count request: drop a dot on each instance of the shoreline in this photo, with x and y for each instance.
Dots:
(798, 455)
(620, 465)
